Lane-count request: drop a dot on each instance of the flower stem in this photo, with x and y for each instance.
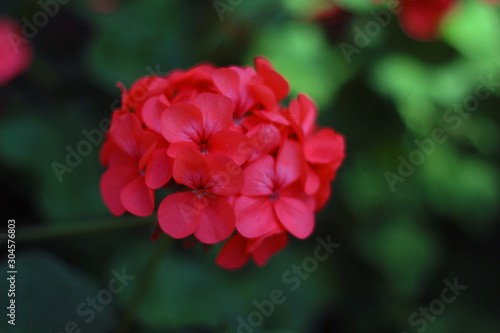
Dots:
(79, 228)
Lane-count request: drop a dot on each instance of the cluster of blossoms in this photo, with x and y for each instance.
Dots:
(238, 163)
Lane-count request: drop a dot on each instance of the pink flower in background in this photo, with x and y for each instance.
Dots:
(15, 51)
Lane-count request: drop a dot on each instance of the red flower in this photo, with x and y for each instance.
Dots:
(137, 165)
(15, 51)
(269, 203)
(239, 158)
(236, 251)
(202, 209)
(204, 126)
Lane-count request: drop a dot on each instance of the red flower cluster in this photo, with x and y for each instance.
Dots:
(234, 155)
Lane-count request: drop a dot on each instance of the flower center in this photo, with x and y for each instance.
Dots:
(204, 149)
(199, 192)
(275, 196)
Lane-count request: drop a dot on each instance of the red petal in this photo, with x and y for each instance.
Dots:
(295, 216)
(254, 216)
(217, 221)
(159, 170)
(309, 113)
(322, 195)
(311, 181)
(259, 177)
(182, 122)
(217, 112)
(124, 130)
(152, 110)
(272, 116)
(228, 82)
(262, 139)
(177, 146)
(178, 214)
(269, 246)
(227, 176)
(264, 95)
(272, 79)
(137, 198)
(229, 143)
(324, 146)
(112, 183)
(233, 254)
(191, 169)
(290, 163)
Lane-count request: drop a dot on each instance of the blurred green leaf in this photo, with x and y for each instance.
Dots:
(48, 294)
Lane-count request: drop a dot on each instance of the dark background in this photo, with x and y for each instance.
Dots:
(397, 247)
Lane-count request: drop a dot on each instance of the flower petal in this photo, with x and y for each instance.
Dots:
(112, 183)
(217, 112)
(272, 79)
(229, 143)
(152, 110)
(324, 147)
(123, 130)
(182, 122)
(217, 221)
(228, 82)
(290, 163)
(259, 177)
(191, 169)
(295, 216)
(254, 216)
(268, 247)
(262, 139)
(137, 198)
(227, 176)
(233, 254)
(159, 170)
(178, 214)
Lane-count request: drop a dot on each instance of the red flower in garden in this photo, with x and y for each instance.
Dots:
(239, 159)
(269, 202)
(236, 251)
(202, 209)
(15, 51)
(203, 125)
(137, 165)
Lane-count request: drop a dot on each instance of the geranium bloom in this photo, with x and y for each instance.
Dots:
(203, 125)
(268, 202)
(202, 209)
(245, 167)
(15, 51)
(137, 165)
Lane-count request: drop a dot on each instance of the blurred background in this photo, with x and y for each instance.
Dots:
(412, 217)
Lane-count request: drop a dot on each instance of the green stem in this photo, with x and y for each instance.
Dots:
(144, 283)
(79, 228)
